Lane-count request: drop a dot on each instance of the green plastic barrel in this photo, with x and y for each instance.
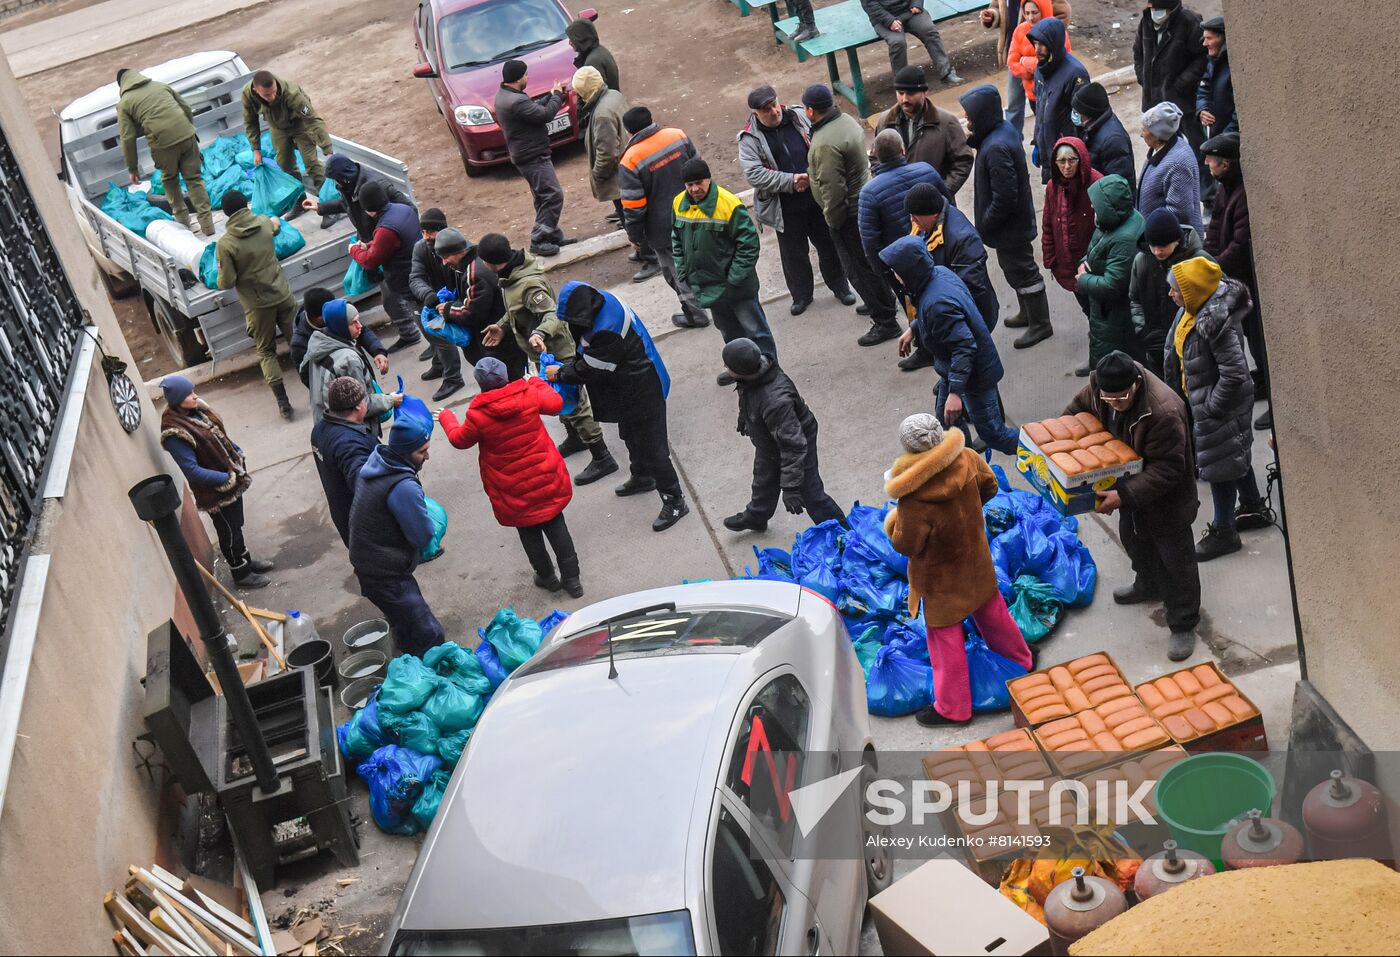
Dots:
(1201, 798)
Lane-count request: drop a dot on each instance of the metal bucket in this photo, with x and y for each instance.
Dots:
(363, 664)
(356, 693)
(372, 635)
(315, 654)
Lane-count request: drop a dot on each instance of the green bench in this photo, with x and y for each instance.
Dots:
(846, 27)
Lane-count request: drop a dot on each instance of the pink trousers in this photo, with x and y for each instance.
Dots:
(952, 695)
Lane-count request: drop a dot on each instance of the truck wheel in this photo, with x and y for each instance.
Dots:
(179, 333)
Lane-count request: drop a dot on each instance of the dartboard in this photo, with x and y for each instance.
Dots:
(125, 401)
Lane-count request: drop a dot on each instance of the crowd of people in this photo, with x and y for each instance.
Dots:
(1159, 261)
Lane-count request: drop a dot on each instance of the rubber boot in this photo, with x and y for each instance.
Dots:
(1036, 307)
(1020, 320)
(569, 573)
(603, 464)
(245, 577)
(572, 444)
(284, 405)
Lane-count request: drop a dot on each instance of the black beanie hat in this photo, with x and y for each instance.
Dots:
(1091, 100)
(923, 199)
(636, 119)
(120, 73)
(1225, 146)
(1162, 227)
(818, 97)
(232, 202)
(743, 358)
(494, 249)
(373, 197)
(694, 170)
(910, 79)
(1116, 372)
(433, 218)
(513, 71)
(315, 300)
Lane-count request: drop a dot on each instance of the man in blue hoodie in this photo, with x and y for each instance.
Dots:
(389, 528)
(1058, 75)
(950, 329)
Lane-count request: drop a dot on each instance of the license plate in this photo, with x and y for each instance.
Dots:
(560, 124)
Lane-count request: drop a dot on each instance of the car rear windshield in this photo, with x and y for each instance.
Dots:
(499, 30)
(662, 633)
(667, 933)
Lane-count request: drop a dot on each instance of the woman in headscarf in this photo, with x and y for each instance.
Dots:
(1067, 222)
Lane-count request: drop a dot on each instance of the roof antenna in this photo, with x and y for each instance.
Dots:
(612, 666)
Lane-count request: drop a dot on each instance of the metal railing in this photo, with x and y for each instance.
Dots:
(40, 324)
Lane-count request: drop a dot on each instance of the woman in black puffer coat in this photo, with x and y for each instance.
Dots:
(1206, 361)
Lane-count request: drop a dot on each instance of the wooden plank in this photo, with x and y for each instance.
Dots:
(188, 933)
(172, 924)
(142, 929)
(122, 946)
(219, 906)
(216, 943)
(255, 907)
(131, 941)
(237, 939)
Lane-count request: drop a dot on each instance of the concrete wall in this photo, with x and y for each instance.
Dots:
(1318, 133)
(77, 811)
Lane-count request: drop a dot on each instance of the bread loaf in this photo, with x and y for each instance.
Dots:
(1106, 458)
(1067, 462)
(1038, 434)
(1088, 462)
(1095, 438)
(1089, 421)
(1050, 448)
(1057, 429)
(1122, 450)
(1075, 427)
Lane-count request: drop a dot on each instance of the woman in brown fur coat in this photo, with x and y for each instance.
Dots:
(941, 487)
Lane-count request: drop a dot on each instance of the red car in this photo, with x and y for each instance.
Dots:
(462, 45)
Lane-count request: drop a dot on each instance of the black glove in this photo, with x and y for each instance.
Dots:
(743, 426)
(792, 500)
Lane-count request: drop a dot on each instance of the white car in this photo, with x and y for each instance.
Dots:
(638, 814)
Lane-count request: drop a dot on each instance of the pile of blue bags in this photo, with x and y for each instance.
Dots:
(1042, 568)
(411, 732)
(132, 208)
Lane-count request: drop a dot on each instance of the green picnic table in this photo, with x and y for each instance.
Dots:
(846, 27)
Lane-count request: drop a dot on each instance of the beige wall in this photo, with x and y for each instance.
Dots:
(77, 811)
(1318, 138)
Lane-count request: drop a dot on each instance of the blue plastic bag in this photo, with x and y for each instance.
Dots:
(396, 777)
(867, 538)
(426, 807)
(514, 638)
(274, 192)
(329, 192)
(288, 240)
(910, 637)
(360, 736)
(774, 564)
(816, 557)
(569, 393)
(897, 684)
(550, 621)
(357, 282)
(491, 666)
(987, 672)
(438, 515)
(408, 685)
(435, 324)
(863, 598)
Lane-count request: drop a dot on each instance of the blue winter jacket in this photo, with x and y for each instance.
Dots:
(882, 218)
(389, 520)
(1170, 179)
(1003, 208)
(948, 325)
(1055, 85)
(1216, 93)
(341, 448)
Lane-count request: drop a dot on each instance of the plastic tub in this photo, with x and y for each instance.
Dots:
(315, 654)
(356, 693)
(363, 664)
(369, 635)
(1202, 797)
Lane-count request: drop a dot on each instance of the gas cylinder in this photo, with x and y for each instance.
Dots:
(1077, 906)
(1345, 818)
(1261, 842)
(1168, 868)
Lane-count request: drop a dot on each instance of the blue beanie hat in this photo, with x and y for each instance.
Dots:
(336, 315)
(818, 97)
(490, 373)
(413, 427)
(176, 389)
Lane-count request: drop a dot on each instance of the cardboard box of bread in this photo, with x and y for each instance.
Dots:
(976, 763)
(1203, 710)
(1066, 689)
(1100, 736)
(1067, 458)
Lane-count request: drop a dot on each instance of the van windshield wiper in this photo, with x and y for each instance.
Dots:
(507, 54)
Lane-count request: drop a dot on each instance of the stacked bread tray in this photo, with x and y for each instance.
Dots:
(1067, 458)
(1064, 689)
(1204, 711)
(1100, 736)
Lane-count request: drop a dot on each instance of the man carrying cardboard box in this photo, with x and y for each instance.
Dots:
(1159, 503)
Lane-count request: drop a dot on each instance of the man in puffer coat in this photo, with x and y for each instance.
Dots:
(522, 472)
(784, 435)
(1107, 269)
(950, 329)
(334, 351)
(941, 486)
(341, 443)
(1206, 363)
(882, 218)
(1058, 76)
(1168, 243)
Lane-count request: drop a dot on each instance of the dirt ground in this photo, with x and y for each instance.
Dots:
(692, 62)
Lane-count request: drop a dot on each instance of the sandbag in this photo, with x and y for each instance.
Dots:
(1036, 609)
(358, 282)
(360, 736)
(396, 777)
(897, 684)
(453, 708)
(426, 807)
(456, 663)
(438, 515)
(514, 638)
(415, 731)
(274, 192)
(408, 685)
(569, 393)
(451, 746)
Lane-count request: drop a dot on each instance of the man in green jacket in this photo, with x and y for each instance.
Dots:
(715, 247)
(292, 121)
(168, 123)
(1105, 275)
(248, 264)
(838, 167)
(532, 319)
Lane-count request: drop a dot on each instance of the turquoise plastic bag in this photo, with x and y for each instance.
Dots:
(209, 265)
(451, 746)
(439, 516)
(274, 192)
(1037, 607)
(514, 638)
(415, 731)
(407, 687)
(426, 807)
(132, 210)
(357, 282)
(453, 708)
(232, 177)
(329, 193)
(458, 665)
(288, 240)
